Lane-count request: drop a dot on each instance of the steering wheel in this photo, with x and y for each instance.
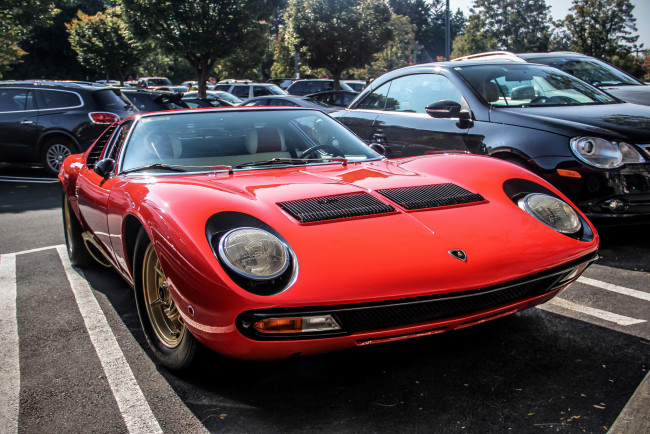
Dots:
(538, 99)
(330, 148)
(561, 100)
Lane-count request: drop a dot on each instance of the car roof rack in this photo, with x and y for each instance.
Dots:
(491, 55)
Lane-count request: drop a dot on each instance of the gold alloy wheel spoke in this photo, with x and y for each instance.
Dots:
(165, 319)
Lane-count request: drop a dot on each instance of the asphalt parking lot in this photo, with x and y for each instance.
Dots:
(74, 357)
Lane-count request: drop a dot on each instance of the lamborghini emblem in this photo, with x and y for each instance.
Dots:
(458, 254)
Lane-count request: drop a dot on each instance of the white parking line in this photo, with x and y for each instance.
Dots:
(597, 313)
(615, 288)
(132, 403)
(9, 356)
(39, 249)
(29, 180)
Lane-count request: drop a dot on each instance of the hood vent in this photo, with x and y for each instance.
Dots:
(335, 207)
(431, 196)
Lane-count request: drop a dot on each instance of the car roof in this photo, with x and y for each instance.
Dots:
(54, 83)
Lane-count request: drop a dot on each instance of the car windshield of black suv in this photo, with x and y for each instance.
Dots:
(592, 71)
(530, 86)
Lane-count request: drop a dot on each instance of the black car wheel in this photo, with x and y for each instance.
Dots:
(54, 152)
(166, 333)
(77, 251)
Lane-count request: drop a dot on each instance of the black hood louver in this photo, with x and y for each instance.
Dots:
(335, 207)
(430, 196)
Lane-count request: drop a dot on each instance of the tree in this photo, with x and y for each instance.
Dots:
(399, 52)
(201, 31)
(429, 21)
(17, 18)
(338, 34)
(514, 25)
(246, 60)
(103, 41)
(601, 28)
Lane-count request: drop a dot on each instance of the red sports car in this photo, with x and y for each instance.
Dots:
(265, 233)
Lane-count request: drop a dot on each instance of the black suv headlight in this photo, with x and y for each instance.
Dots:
(604, 154)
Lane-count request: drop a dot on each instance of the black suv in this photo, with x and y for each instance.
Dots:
(45, 121)
(592, 146)
(152, 100)
(309, 86)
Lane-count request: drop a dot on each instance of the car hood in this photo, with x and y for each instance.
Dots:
(634, 94)
(383, 256)
(624, 121)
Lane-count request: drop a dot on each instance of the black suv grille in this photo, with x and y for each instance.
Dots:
(431, 196)
(335, 207)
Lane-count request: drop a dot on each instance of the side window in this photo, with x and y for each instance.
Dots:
(224, 87)
(98, 147)
(261, 91)
(377, 99)
(413, 93)
(257, 102)
(118, 140)
(240, 91)
(12, 100)
(298, 87)
(53, 99)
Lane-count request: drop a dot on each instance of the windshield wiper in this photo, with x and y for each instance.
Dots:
(161, 166)
(297, 161)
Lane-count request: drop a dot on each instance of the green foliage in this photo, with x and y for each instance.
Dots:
(398, 53)
(17, 18)
(103, 41)
(429, 21)
(247, 58)
(514, 25)
(201, 31)
(338, 34)
(601, 28)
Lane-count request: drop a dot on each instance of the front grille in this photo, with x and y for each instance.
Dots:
(431, 196)
(335, 207)
(395, 313)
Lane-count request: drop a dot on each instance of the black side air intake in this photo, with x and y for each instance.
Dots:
(431, 196)
(335, 207)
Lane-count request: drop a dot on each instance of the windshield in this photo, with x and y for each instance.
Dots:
(592, 71)
(204, 139)
(517, 85)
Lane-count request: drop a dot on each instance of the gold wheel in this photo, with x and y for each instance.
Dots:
(165, 320)
(67, 226)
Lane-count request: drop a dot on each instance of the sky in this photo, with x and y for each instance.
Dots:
(560, 8)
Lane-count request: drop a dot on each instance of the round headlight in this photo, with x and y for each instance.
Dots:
(552, 212)
(604, 154)
(254, 253)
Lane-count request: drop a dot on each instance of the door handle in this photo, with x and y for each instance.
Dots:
(26, 122)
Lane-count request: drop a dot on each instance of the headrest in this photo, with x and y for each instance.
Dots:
(491, 91)
(265, 139)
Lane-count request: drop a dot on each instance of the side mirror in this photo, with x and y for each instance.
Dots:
(378, 148)
(104, 167)
(444, 109)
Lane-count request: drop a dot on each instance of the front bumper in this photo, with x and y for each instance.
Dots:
(370, 323)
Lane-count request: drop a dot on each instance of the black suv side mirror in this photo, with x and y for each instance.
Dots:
(104, 167)
(447, 109)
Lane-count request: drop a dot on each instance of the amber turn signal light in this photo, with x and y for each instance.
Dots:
(319, 323)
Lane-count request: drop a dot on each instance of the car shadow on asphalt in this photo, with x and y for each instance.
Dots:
(529, 372)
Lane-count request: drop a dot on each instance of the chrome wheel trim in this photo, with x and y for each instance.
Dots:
(55, 155)
(165, 320)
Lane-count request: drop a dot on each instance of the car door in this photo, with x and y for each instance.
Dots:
(407, 129)
(19, 127)
(94, 190)
(361, 119)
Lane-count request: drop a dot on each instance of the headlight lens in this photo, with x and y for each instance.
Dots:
(254, 253)
(604, 154)
(552, 212)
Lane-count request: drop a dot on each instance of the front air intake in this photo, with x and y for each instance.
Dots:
(335, 207)
(431, 196)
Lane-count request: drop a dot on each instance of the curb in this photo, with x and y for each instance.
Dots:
(634, 416)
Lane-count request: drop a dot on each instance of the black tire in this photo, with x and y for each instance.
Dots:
(77, 251)
(176, 353)
(54, 152)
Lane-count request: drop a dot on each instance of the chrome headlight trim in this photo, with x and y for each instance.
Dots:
(269, 237)
(565, 214)
(603, 153)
